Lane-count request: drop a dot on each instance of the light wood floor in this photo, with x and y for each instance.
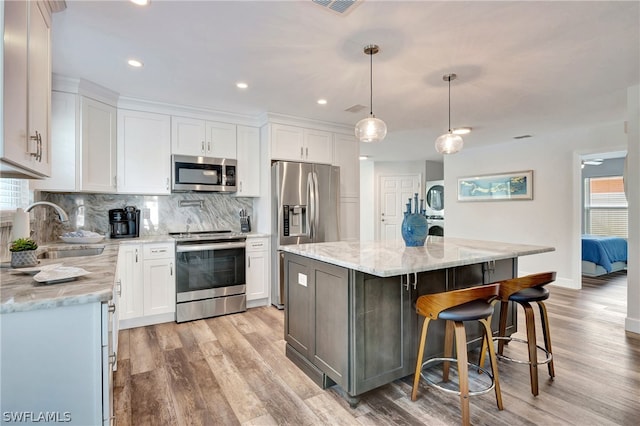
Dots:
(232, 370)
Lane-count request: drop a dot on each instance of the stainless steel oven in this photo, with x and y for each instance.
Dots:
(210, 274)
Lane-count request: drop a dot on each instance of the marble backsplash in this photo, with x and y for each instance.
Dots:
(160, 214)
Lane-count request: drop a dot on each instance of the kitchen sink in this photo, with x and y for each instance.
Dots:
(59, 252)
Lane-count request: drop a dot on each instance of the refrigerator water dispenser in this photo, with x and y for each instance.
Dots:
(294, 221)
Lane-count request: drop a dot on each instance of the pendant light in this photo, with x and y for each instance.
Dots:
(449, 143)
(371, 129)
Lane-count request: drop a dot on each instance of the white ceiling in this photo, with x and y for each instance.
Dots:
(523, 67)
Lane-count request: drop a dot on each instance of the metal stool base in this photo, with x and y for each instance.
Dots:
(455, 361)
(548, 355)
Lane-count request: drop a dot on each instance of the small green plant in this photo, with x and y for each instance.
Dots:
(23, 244)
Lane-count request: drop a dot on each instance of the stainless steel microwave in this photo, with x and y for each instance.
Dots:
(190, 173)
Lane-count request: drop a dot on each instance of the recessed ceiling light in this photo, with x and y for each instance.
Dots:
(364, 157)
(141, 2)
(241, 85)
(322, 101)
(135, 63)
(461, 131)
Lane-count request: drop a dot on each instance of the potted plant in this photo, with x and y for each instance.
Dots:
(23, 253)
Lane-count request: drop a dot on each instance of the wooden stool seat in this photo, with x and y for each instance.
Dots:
(523, 291)
(456, 307)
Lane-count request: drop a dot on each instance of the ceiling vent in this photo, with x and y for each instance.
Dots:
(356, 108)
(338, 6)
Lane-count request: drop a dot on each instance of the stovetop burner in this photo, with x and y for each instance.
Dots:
(213, 235)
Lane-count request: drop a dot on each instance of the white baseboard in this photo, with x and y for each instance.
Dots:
(123, 324)
(632, 325)
(257, 303)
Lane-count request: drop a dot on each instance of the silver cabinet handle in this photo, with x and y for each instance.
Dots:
(171, 268)
(164, 250)
(119, 288)
(168, 184)
(240, 186)
(301, 152)
(112, 307)
(249, 260)
(38, 139)
(136, 255)
(202, 149)
(307, 152)
(113, 360)
(208, 146)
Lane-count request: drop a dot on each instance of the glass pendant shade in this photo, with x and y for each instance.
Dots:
(371, 129)
(449, 143)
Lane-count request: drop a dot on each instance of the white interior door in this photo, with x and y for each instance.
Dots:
(393, 195)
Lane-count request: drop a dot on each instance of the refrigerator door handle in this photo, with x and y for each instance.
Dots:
(316, 204)
(310, 213)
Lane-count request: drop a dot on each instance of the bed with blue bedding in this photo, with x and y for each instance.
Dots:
(603, 255)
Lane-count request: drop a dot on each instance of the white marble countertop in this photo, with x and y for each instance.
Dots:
(19, 292)
(392, 258)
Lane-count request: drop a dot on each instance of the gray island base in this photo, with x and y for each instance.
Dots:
(350, 319)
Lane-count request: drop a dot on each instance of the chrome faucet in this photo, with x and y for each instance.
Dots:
(63, 216)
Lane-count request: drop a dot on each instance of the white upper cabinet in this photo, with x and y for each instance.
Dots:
(221, 140)
(299, 144)
(25, 149)
(190, 136)
(83, 130)
(98, 147)
(248, 172)
(144, 152)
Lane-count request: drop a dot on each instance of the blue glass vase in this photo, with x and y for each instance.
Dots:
(414, 226)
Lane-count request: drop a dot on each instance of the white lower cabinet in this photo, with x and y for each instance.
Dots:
(57, 365)
(257, 276)
(147, 283)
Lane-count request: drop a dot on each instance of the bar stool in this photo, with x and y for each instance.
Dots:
(525, 290)
(471, 304)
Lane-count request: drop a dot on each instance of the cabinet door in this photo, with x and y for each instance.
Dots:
(188, 136)
(15, 148)
(144, 159)
(98, 171)
(257, 264)
(248, 173)
(347, 157)
(221, 140)
(64, 114)
(159, 287)
(318, 146)
(286, 143)
(39, 84)
(298, 321)
(131, 286)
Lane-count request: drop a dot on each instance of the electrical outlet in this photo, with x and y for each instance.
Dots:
(146, 213)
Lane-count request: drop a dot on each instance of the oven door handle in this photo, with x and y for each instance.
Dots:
(212, 246)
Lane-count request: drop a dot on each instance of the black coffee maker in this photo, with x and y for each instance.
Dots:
(124, 223)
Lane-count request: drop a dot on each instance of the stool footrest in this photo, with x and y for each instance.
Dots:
(548, 356)
(427, 364)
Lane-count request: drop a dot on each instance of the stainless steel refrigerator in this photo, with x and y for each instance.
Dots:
(305, 203)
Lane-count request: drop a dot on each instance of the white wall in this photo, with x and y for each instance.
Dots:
(553, 217)
(367, 201)
(632, 322)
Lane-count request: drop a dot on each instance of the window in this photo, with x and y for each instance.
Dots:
(606, 208)
(14, 193)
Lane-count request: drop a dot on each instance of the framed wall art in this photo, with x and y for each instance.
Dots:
(497, 187)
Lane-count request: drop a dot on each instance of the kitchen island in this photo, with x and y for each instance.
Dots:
(349, 306)
(58, 341)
